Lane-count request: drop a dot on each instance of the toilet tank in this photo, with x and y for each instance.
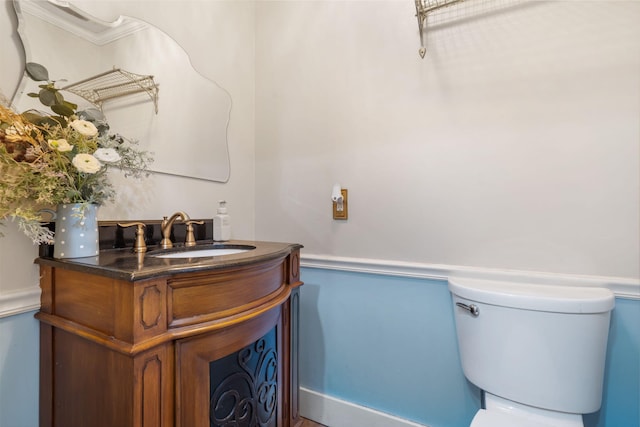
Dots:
(540, 345)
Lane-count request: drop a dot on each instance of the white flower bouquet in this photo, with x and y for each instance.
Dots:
(46, 160)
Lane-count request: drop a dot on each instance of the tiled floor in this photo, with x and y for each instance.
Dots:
(309, 423)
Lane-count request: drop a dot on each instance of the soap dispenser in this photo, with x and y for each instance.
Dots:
(221, 223)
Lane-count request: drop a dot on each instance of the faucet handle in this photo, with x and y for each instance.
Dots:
(190, 239)
(139, 246)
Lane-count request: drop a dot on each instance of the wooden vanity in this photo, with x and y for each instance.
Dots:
(131, 340)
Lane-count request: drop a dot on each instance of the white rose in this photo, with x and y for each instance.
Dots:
(86, 163)
(60, 144)
(84, 127)
(107, 155)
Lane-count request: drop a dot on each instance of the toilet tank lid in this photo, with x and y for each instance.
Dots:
(558, 299)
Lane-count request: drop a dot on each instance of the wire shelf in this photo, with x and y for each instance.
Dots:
(114, 84)
(423, 9)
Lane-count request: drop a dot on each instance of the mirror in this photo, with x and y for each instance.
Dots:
(187, 135)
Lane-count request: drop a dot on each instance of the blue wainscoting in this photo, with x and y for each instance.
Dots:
(389, 343)
(621, 394)
(19, 361)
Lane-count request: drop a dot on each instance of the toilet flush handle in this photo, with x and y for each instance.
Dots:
(471, 308)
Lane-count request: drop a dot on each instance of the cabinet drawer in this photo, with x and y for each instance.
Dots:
(201, 298)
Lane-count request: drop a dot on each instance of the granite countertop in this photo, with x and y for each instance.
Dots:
(123, 264)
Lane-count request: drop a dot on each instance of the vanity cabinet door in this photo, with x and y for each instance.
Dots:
(234, 374)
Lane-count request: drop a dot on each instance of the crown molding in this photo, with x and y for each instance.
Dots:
(69, 18)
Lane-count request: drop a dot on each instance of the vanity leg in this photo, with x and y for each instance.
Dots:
(294, 343)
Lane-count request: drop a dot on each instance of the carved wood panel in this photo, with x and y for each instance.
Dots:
(244, 386)
(193, 370)
(150, 306)
(149, 309)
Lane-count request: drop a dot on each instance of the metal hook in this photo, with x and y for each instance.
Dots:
(421, 15)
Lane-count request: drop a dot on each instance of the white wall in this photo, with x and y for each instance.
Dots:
(219, 52)
(514, 144)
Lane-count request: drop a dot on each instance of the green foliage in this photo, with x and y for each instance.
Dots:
(49, 95)
(37, 72)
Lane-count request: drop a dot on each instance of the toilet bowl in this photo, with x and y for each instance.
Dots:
(536, 351)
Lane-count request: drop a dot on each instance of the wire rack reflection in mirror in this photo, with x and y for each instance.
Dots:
(114, 84)
(423, 9)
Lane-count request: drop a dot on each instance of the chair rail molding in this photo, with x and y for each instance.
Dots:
(25, 300)
(622, 287)
(19, 301)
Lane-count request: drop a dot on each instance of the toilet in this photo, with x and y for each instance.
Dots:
(537, 352)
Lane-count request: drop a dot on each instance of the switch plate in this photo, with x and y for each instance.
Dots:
(344, 213)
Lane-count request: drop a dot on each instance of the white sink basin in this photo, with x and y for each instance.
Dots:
(203, 253)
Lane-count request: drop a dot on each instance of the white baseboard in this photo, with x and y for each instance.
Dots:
(334, 412)
(622, 287)
(22, 301)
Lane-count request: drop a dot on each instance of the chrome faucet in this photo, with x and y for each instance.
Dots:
(167, 225)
